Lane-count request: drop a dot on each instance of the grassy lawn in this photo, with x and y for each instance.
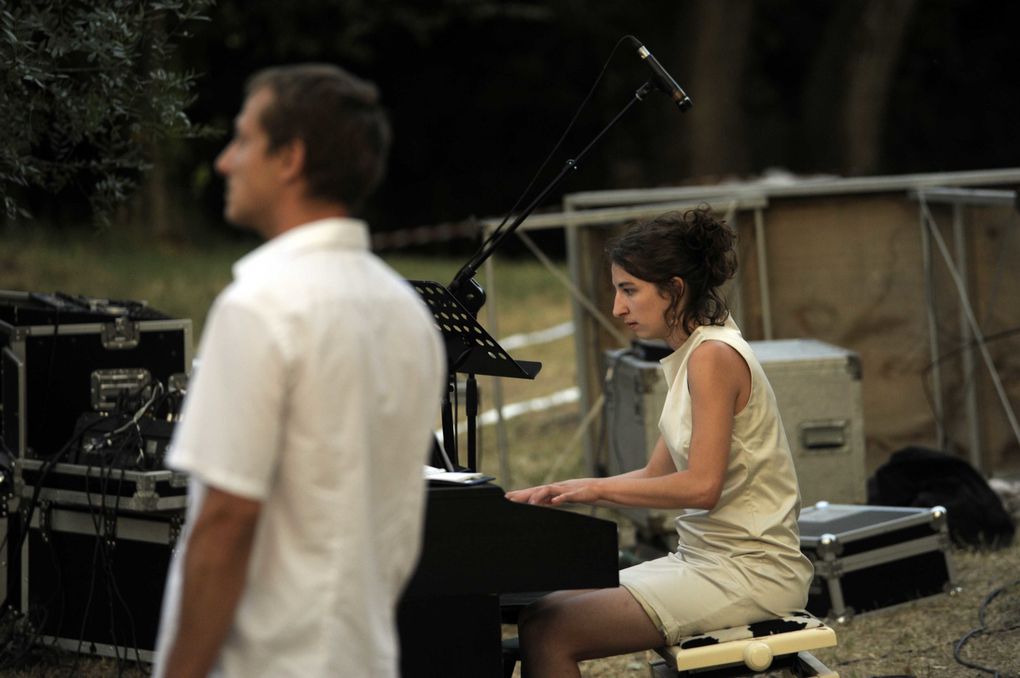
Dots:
(914, 639)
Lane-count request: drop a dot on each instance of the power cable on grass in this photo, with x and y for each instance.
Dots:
(984, 630)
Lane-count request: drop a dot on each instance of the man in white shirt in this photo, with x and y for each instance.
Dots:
(308, 420)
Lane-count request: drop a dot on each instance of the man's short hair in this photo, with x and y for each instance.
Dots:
(338, 116)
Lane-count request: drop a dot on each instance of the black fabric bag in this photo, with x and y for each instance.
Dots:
(917, 476)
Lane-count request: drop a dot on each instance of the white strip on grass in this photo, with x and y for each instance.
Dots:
(564, 397)
(539, 337)
(487, 418)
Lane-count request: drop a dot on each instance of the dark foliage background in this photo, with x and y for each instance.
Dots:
(89, 94)
(480, 90)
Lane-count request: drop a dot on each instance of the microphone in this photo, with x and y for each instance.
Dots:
(663, 80)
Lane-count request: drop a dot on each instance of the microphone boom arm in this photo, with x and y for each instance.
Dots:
(463, 286)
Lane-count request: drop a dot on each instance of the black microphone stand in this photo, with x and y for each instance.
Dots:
(466, 290)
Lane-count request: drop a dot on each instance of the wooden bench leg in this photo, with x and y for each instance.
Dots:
(658, 668)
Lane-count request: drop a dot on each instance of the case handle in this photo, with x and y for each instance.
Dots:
(824, 435)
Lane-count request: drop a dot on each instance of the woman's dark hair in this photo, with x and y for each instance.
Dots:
(694, 246)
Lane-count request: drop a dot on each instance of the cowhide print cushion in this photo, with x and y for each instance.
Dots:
(796, 621)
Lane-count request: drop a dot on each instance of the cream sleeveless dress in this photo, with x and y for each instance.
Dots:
(739, 562)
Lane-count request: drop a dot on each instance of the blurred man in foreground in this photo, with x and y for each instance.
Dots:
(308, 421)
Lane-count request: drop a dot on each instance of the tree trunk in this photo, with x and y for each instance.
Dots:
(718, 140)
(161, 223)
(820, 147)
(873, 55)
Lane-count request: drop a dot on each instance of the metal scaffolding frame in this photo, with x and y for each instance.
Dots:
(603, 208)
(754, 196)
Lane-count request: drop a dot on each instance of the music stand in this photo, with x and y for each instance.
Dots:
(470, 350)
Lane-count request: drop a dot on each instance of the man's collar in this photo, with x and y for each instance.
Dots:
(334, 232)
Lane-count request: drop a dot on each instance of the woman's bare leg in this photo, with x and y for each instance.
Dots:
(566, 627)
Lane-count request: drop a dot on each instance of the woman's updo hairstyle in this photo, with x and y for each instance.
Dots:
(694, 246)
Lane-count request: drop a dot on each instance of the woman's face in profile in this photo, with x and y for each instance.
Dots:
(641, 306)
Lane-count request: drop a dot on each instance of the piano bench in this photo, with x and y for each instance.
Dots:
(773, 645)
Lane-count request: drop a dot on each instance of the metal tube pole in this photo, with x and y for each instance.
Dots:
(502, 442)
(582, 333)
(763, 273)
(966, 340)
(933, 332)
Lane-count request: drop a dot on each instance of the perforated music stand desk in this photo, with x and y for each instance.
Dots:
(469, 348)
(471, 351)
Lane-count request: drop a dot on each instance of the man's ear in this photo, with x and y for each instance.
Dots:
(292, 160)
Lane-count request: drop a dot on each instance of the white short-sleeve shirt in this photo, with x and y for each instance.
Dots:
(318, 385)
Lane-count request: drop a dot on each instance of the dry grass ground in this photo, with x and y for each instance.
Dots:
(914, 639)
(918, 638)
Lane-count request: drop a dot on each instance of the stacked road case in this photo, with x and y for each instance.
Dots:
(94, 525)
(93, 579)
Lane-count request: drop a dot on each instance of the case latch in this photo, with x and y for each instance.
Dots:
(121, 334)
(109, 528)
(44, 520)
(176, 523)
(112, 388)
